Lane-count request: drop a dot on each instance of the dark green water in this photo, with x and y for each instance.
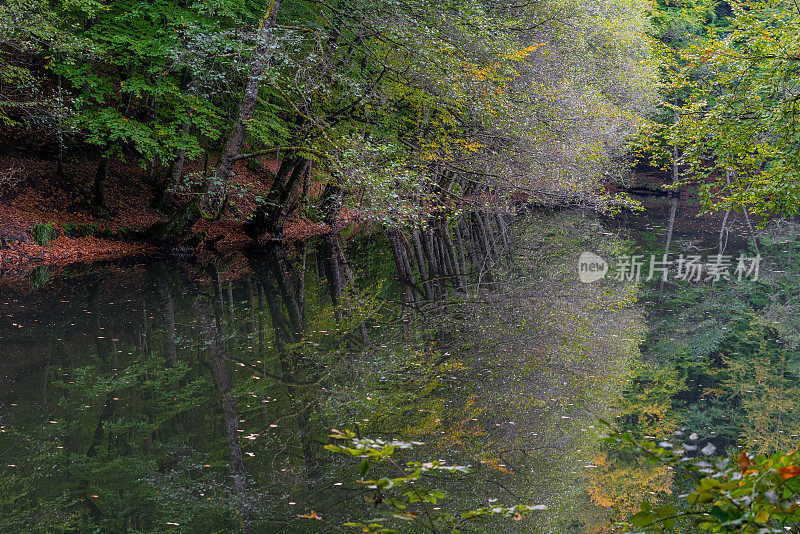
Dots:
(188, 397)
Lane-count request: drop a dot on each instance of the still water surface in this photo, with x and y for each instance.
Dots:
(196, 397)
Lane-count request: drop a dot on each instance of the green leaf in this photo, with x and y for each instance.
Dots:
(363, 467)
(665, 511)
(641, 519)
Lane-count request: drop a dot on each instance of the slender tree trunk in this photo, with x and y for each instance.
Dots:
(729, 175)
(166, 192)
(247, 105)
(231, 304)
(503, 231)
(473, 245)
(261, 330)
(672, 211)
(341, 280)
(60, 133)
(428, 248)
(335, 282)
(251, 316)
(45, 374)
(423, 269)
(215, 352)
(145, 334)
(404, 272)
(444, 259)
(98, 187)
(480, 233)
(486, 223)
(306, 185)
(462, 254)
(455, 262)
(169, 327)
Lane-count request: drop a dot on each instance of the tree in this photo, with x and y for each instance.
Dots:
(128, 73)
(737, 132)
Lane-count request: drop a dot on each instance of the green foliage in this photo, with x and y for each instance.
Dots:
(731, 97)
(40, 277)
(742, 494)
(433, 102)
(408, 488)
(677, 22)
(44, 233)
(720, 365)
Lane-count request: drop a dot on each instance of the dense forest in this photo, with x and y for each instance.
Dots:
(310, 266)
(385, 113)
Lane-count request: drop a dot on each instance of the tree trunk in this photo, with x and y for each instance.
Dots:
(98, 187)
(166, 191)
(217, 359)
(247, 105)
(231, 304)
(486, 222)
(503, 231)
(455, 263)
(261, 330)
(423, 269)
(331, 204)
(60, 132)
(251, 317)
(404, 273)
(335, 282)
(429, 249)
(445, 259)
(480, 234)
(169, 329)
(270, 216)
(461, 253)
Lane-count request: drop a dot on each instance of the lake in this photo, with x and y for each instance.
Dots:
(160, 395)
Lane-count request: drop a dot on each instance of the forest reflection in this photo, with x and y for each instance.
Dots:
(192, 397)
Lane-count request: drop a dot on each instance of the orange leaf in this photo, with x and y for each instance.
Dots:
(744, 461)
(790, 471)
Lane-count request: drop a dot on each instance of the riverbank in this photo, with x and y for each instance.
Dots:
(46, 217)
(44, 222)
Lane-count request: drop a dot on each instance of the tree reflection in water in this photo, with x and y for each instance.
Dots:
(197, 397)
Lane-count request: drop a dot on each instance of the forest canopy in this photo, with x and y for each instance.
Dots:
(391, 108)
